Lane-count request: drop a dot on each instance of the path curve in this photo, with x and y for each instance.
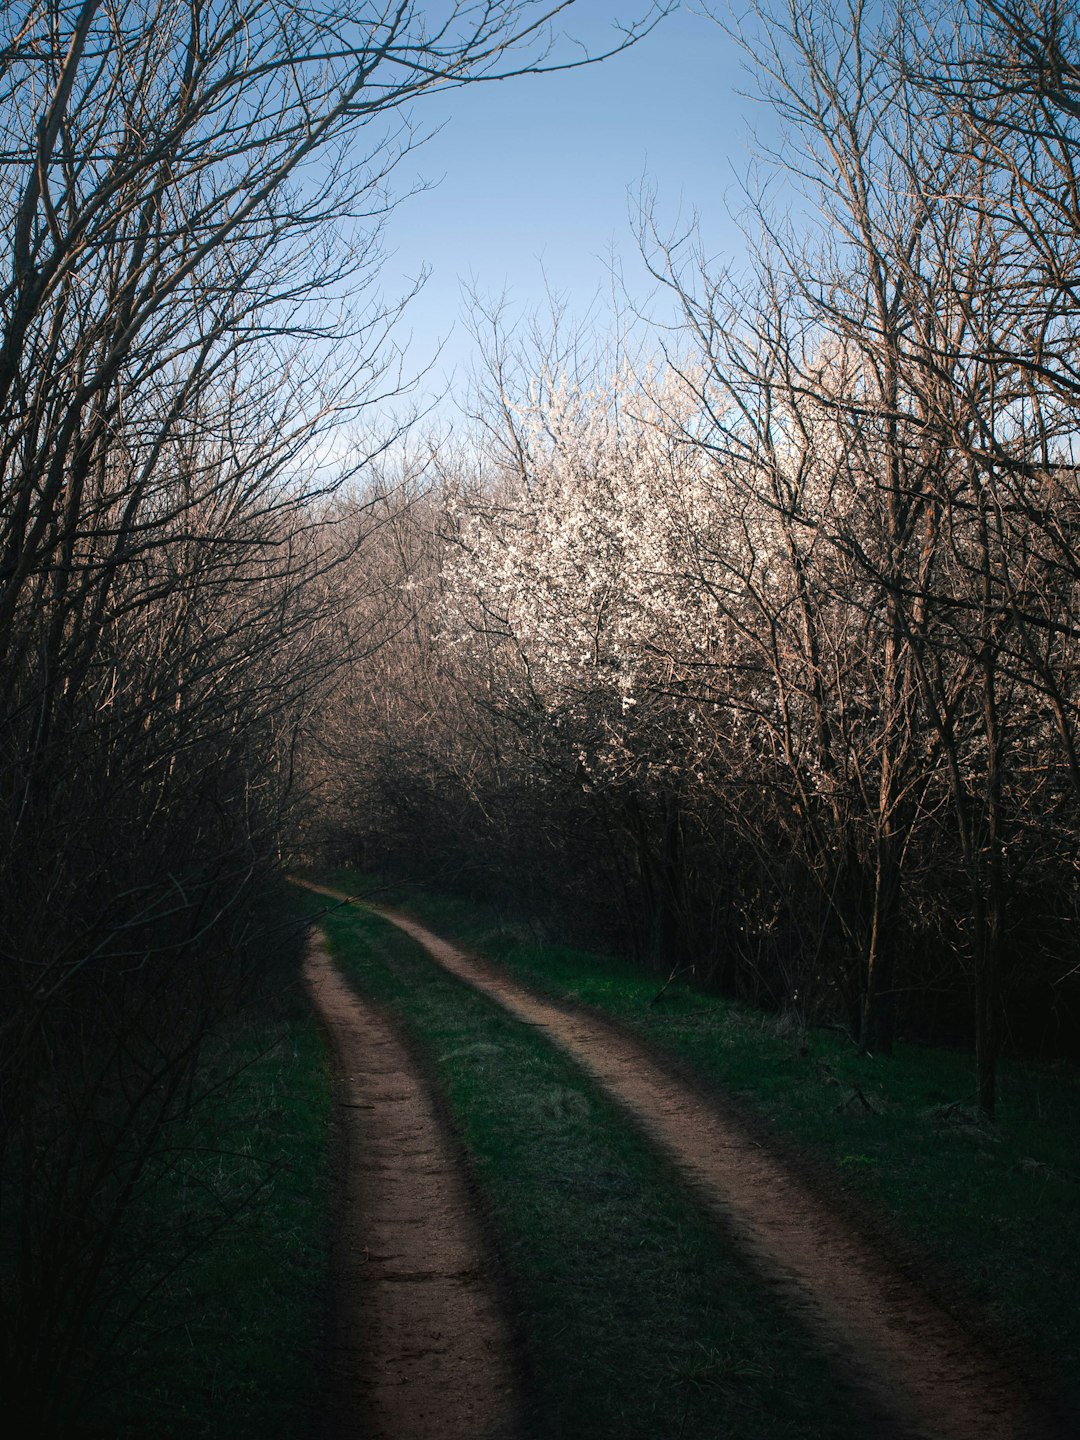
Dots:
(908, 1357)
(420, 1348)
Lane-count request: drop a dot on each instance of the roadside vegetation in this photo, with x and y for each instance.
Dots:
(986, 1214)
(635, 1317)
(223, 1268)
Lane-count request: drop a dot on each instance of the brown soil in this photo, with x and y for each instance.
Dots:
(420, 1349)
(911, 1360)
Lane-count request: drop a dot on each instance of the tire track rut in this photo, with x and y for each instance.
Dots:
(420, 1348)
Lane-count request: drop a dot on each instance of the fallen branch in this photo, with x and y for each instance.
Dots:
(679, 970)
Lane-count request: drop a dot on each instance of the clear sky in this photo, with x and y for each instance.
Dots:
(534, 179)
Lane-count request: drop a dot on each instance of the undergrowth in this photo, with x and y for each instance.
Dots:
(225, 1345)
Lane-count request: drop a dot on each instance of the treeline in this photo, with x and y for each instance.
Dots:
(766, 653)
(191, 197)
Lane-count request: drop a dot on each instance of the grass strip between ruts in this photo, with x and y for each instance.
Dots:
(989, 1211)
(636, 1316)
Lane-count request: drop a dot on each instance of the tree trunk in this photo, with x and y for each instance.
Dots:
(878, 1021)
(987, 1006)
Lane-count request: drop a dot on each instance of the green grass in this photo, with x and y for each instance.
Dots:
(990, 1213)
(227, 1347)
(637, 1318)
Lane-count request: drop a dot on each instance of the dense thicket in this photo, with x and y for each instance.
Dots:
(768, 651)
(191, 197)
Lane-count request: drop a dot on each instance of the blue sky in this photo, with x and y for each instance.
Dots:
(533, 179)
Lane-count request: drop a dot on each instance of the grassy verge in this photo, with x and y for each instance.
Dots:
(992, 1211)
(637, 1320)
(226, 1347)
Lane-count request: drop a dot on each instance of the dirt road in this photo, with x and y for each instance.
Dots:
(913, 1362)
(420, 1349)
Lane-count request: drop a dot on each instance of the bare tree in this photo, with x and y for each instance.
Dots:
(946, 421)
(193, 194)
